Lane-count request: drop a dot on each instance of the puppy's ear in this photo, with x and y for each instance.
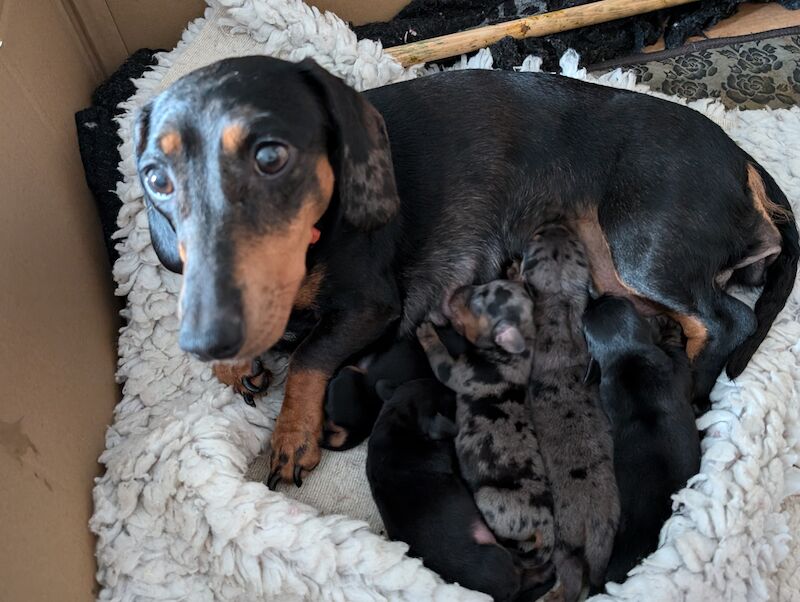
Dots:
(165, 241)
(361, 158)
(385, 389)
(438, 427)
(509, 338)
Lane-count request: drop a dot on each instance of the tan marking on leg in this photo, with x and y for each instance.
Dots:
(299, 424)
(270, 268)
(770, 210)
(233, 136)
(231, 373)
(182, 252)
(307, 295)
(695, 331)
(170, 143)
(605, 277)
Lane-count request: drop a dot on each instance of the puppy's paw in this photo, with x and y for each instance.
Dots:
(335, 437)
(249, 379)
(426, 334)
(294, 454)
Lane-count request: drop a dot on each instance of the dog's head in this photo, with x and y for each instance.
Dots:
(422, 406)
(497, 314)
(239, 162)
(613, 326)
(554, 263)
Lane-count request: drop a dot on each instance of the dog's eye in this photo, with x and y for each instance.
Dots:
(271, 157)
(158, 182)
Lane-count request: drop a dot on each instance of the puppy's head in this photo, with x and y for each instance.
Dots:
(612, 325)
(554, 263)
(239, 162)
(497, 314)
(423, 405)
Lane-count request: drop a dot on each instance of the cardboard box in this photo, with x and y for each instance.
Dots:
(58, 315)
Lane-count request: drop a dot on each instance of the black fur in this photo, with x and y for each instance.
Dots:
(411, 468)
(645, 391)
(351, 400)
(481, 159)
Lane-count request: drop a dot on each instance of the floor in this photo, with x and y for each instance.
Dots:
(751, 18)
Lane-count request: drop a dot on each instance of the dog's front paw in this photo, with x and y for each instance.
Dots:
(249, 379)
(426, 334)
(294, 454)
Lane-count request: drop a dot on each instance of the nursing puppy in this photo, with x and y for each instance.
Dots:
(572, 431)
(412, 472)
(351, 400)
(645, 390)
(496, 444)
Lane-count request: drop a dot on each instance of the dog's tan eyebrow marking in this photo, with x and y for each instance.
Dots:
(232, 137)
(170, 142)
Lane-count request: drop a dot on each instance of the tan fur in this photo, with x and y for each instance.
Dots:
(605, 277)
(307, 295)
(299, 425)
(233, 136)
(695, 331)
(170, 143)
(231, 373)
(270, 269)
(771, 211)
(338, 436)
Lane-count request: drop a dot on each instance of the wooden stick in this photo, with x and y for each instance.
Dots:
(528, 27)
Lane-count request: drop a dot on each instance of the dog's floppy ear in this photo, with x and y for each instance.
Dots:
(362, 158)
(165, 240)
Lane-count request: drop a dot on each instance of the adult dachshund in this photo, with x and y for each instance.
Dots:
(274, 187)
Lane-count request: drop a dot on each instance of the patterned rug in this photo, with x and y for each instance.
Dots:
(748, 72)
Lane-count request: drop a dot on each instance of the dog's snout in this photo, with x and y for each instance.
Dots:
(220, 339)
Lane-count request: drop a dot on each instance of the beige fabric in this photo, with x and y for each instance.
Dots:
(338, 485)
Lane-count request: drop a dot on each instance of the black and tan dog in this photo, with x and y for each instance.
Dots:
(274, 186)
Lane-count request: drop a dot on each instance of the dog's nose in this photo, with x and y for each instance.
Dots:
(222, 339)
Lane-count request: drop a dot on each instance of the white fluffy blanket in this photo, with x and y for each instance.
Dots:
(176, 519)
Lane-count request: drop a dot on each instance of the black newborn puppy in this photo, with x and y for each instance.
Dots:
(351, 401)
(645, 389)
(412, 471)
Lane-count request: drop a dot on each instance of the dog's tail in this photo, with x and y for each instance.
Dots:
(780, 274)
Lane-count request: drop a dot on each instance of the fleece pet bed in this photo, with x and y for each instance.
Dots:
(176, 517)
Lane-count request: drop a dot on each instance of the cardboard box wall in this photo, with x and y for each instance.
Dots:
(58, 316)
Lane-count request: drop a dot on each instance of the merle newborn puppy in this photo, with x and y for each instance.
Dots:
(572, 430)
(496, 445)
(351, 401)
(412, 472)
(645, 390)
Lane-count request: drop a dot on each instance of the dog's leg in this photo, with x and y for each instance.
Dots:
(453, 373)
(296, 440)
(713, 322)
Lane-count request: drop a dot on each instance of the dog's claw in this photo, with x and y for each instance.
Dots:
(273, 479)
(298, 477)
(253, 388)
(249, 399)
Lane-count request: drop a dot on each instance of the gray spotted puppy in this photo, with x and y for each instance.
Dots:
(573, 433)
(496, 446)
